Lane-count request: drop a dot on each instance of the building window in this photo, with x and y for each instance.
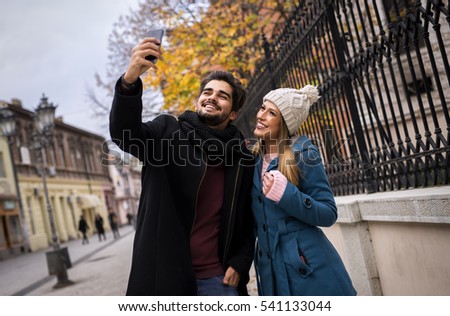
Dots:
(62, 156)
(25, 155)
(52, 157)
(9, 205)
(92, 162)
(87, 162)
(73, 159)
(2, 166)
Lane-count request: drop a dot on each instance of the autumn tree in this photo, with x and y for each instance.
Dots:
(222, 35)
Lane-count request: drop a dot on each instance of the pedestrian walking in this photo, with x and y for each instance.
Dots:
(99, 227)
(194, 224)
(83, 228)
(114, 223)
(130, 218)
(291, 198)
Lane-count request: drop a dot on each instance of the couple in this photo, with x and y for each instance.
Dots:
(197, 222)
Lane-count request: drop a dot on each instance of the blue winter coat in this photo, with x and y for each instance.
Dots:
(293, 255)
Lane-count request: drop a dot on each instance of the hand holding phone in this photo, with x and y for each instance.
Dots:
(158, 34)
(134, 69)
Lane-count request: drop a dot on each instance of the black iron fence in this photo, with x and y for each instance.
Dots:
(383, 72)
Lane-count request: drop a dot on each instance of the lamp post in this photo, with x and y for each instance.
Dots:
(8, 127)
(45, 120)
(58, 260)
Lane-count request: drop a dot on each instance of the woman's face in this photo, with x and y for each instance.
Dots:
(268, 122)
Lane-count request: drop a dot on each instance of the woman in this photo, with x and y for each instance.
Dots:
(291, 198)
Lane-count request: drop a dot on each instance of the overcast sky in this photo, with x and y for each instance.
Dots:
(55, 47)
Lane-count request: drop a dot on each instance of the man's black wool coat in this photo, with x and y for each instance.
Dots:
(171, 175)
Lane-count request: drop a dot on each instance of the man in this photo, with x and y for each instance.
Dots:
(113, 222)
(194, 232)
(83, 228)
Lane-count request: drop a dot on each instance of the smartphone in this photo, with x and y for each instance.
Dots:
(158, 33)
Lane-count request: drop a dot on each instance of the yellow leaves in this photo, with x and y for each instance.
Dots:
(226, 37)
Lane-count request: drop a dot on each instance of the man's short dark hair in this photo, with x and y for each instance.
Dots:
(239, 93)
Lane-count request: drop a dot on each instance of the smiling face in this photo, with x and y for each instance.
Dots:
(268, 123)
(214, 105)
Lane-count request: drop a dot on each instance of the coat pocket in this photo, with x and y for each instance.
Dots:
(296, 258)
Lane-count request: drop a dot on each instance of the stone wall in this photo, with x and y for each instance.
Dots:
(396, 243)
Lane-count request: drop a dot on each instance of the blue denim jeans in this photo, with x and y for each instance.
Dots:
(215, 287)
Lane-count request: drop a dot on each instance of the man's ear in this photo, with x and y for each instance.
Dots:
(233, 115)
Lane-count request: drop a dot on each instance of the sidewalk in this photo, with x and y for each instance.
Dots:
(98, 268)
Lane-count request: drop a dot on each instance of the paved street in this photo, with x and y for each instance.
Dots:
(99, 268)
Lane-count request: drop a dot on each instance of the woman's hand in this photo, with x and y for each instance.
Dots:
(268, 180)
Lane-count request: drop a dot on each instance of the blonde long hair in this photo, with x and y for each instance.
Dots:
(286, 160)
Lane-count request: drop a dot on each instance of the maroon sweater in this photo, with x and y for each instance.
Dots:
(205, 233)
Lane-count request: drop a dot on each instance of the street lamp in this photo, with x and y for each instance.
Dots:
(58, 259)
(44, 122)
(8, 127)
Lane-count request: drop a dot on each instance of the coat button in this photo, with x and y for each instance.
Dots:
(307, 202)
(268, 255)
(264, 227)
(259, 199)
(302, 271)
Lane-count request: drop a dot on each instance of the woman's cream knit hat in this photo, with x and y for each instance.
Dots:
(293, 104)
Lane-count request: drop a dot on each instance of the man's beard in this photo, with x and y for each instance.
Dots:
(211, 119)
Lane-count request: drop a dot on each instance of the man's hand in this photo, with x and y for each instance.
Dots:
(231, 277)
(138, 64)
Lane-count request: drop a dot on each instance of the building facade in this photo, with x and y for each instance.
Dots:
(11, 235)
(77, 180)
(126, 178)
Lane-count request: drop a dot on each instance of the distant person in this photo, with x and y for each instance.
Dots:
(114, 223)
(83, 228)
(99, 227)
(130, 218)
